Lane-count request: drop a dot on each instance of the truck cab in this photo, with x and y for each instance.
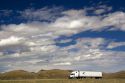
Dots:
(74, 74)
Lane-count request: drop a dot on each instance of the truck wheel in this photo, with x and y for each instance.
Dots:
(70, 78)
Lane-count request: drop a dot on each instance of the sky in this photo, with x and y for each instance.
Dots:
(62, 34)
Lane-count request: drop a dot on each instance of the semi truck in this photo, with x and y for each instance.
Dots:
(85, 74)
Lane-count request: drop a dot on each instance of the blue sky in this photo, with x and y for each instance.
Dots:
(49, 34)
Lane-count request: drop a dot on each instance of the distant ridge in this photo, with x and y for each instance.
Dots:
(50, 74)
(120, 74)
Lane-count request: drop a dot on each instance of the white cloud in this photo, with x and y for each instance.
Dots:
(49, 48)
(90, 42)
(11, 41)
(99, 11)
(64, 41)
(33, 43)
(34, 61)
(48, 14)
(102, 9)
(65, 63)
(116, 19)
(115, 44)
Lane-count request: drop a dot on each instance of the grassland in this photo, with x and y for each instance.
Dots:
(56, 76)
(65, 81)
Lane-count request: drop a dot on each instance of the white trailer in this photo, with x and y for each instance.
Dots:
(85, 74)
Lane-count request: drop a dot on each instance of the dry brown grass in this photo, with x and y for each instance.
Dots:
(51, 74)
(17, 74)
(118, 75)
(66, 81)
(55, 73)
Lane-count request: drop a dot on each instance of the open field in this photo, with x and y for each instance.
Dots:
(65, 81)
(56, 76)
(51, 74)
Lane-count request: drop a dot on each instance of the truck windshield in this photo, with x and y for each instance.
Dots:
(71, 74)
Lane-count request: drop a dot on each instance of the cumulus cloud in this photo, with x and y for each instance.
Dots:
(11, 41)
(34, 43)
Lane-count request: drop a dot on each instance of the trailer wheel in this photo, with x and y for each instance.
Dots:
(98, 77)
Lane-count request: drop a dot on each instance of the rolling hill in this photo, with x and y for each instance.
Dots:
(50, 74)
